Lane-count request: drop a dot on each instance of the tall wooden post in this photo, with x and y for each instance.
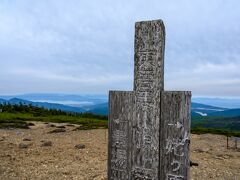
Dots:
(149, 127)
(148, 84)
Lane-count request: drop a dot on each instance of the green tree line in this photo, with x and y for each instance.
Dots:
(40, 111)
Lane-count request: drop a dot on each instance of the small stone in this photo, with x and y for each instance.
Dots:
(51, 125)
(193, 163)
(61, 127)
(57, 131)
(30, 124)
(27, 139)
(70, 125)
(219, 157)
(2, 138)
(19, 133)
(80, 146)
(46, 143)
(81, 128)
(202, 150)
(23, 145)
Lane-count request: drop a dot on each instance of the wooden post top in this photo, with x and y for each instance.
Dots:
(149, 55)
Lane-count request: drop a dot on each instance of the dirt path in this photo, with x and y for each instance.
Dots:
(63, 161)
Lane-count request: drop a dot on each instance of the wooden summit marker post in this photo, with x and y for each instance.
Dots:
(149, 127)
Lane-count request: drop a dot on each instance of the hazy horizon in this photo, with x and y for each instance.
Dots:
(106, 94)
(80, 100)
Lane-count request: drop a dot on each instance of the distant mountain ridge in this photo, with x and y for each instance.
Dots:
(2, 100)
(43, 104)
(100, 108)
(199, 106)
(197, 110)
(53, 96)
(205, 110)
(227, 113)
(66, 99)
(231, 103)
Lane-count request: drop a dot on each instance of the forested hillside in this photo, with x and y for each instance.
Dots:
(18, 115)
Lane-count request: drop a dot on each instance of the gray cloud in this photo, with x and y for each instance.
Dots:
(87, 46)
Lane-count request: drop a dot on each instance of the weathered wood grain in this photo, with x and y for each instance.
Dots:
(148, 83)
(149, 49)
(120, 116)
(175, 135)
(148, 127)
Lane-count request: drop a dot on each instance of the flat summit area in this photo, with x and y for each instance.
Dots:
(43, 152)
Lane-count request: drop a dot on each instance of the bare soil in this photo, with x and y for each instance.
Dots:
(62, 160)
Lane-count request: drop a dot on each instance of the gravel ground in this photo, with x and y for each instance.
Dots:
(60, 159)
(215, 160)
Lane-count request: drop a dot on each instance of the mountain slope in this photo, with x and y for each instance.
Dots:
(204, 110)
(227, 113)
(101, 109)
(227, 123)
(18, 101)
(197, 109)
(204, 106)
(2, 101)
(66, 99)
(219, 102)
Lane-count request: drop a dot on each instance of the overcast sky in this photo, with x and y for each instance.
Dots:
(83, 46)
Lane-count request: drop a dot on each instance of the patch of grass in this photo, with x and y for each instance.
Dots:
(228, 126)
(19, 120)
(203, 130)
(213, 122)
(18, 116)
(22, 125)
(8, 123)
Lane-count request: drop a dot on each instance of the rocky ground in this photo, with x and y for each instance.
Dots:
(43, 152)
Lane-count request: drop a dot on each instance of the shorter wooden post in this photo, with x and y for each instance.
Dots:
(175, 135)
(120, 115)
